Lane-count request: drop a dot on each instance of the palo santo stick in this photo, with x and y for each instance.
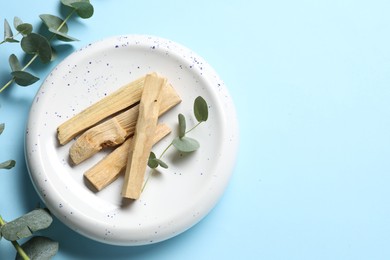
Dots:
(124, 97)
(115, 130)
(109, 168)
(142, 144)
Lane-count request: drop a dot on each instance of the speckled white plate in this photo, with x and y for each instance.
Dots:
(173, 200)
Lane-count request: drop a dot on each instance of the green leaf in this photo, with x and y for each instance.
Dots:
(39, 247)
(14, 63)
(83, 8)
(62, 36)
(182, 125)
(54, 22)
(24, 226)
(7, 164)
(185, 144)
(201, 111)
(23, 78)
(23, 28)
(161, 163)
(2, 126)
(37, 44)
(152, 163)
(17, 21)
(7, 30)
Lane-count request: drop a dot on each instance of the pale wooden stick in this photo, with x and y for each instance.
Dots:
(115, 130)
(142, 144)
(120, 99)
(109, 168)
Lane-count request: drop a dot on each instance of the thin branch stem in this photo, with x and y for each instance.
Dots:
(20, 250)
(165, 150)
(30, 62)
(193, 127)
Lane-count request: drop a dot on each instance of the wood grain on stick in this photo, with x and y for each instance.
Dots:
(114, 131)
(143, 136)
(120, 99)
(109, 168)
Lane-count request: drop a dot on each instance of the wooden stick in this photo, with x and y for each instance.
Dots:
(120, 99)
(142, 144)
(109, 168)
(115, 130)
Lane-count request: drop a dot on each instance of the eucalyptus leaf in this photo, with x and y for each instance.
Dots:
(17, 21)
(62, 36)
(39, 247)
(2, 126)
(24, 28)
(161, 163)
(54, 22)
(152, 163)
(14, 63)
(201, 111)
(7, 164)
(24, 226)
(83, 7)
(20, 26)
(23, 78)
(7, 30)
(37, 44)
(185, 144)
(182, 125)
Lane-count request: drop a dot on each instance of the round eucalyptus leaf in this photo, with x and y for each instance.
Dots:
(39, 247)
(14, 63)
(54, 22)
(201, 111)
(62, 36)
(152, 163)
(26, 225)
(23, 78)
(185, 144)
(37, 44)
(24, 28)
(83, 8)
(182, 125)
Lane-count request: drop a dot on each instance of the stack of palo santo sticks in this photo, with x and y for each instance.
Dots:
(127, 119)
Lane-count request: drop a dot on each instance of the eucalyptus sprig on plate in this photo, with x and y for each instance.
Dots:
(36, 44)
(182, 142)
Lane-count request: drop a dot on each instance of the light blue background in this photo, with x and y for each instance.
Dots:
(311, 84)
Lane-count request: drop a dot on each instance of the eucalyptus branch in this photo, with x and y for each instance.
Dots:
(38, 45)
(182, 142)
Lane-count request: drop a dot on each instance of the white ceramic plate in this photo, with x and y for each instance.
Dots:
(173, 200)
